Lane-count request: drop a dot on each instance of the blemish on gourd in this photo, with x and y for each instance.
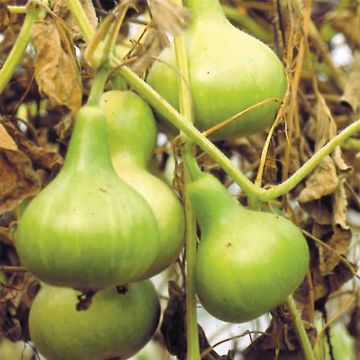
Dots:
(229, 244)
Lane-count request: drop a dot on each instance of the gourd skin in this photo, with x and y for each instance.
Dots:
(88, 229)
(132, 138)
(229, 71)
(115, 325)
(248, 262)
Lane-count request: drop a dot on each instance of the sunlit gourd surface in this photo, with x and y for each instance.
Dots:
(229, 71)
(88, 229)
(248, 262)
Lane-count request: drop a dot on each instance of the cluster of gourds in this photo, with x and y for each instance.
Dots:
(105, 221)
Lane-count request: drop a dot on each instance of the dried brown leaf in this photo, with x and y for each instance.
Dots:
(6, 141)
(173, 327)
(326, 177)
(280, 335)
(322, 182)
(351, 95)
(61, 9)
(15, 302)
(18, 179)
(339, 242)
(144, 52)
(169, 17)
(40, 156)
(56, 69)
(64, 126)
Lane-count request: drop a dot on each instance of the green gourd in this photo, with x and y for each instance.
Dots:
(248, 262)
(132, 138)
(229, 71)
(114, 325)
(88, 229)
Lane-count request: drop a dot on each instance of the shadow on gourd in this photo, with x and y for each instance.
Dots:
(115, 325)
(132, 139)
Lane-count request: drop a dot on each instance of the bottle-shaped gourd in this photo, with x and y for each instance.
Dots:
(115, 325)
(132, 138)
(248, 262)
(88, 229)
(229, 71)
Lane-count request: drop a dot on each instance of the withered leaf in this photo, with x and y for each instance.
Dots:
(60, 8)
(351, 95)
(15, 302)
(57, 71)
(325, 178)
(173, 327)
(40, 156)
(6, 141)
(18, 179)
(280, 335)
(323, 181)
(169, 17)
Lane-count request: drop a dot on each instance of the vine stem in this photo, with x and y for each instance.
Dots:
(179, 121)
(300, 330)
(34, 10)
(186, 109)
(98, 85)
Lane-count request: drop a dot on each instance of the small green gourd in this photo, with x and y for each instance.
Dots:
(132, 138)
(229, 71)
(248, 262)
(114, 326)
(88, 229)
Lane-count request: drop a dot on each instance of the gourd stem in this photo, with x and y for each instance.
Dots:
(176, 119)
(186, 109)
(34, 10)
(300, 330)
(98, 85)
(192, 165)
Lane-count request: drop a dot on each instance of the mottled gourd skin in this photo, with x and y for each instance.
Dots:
(115, 325)
(88, 229)
(229, 71)
(132, 139)
(248, 262)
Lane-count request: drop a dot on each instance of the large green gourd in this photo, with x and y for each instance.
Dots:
(115, 325)
(248, 262)
(229, 71)
(88, 229)
(132, 138)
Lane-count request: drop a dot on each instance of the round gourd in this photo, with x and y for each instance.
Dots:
(248, 262)
(229, 71)
(88, 229)
(132, 139)
(115, 325)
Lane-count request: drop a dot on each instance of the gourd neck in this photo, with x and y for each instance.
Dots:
(209, 198)
(131, 127)
(124, 159)
(88, 149)
(202, 10)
